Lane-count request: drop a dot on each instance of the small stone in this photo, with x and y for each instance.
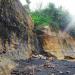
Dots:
(31, 73)
(52, 74)
(67, 71)
(38, 69)
(60, 72)
(42, 57)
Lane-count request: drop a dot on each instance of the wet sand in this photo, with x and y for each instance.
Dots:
(37, 66)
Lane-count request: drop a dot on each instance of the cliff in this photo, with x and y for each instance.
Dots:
(60, 45)
(16, 36)
(17, 40)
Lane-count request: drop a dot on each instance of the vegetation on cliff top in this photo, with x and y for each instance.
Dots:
(57, 18)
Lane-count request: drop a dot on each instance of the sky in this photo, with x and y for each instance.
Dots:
(69, 5)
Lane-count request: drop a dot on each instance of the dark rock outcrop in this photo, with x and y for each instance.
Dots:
(16, 36)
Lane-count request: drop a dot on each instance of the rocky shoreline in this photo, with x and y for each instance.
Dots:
(42, 66)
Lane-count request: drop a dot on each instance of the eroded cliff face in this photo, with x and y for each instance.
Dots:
(16, 36)
(68, 45)
(60, 44)
(51, 45)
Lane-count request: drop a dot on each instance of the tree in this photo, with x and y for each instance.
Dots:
(27, 6)
(28, 2)
(56, 18)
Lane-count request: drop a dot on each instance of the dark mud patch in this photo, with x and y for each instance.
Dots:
(37, 66)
